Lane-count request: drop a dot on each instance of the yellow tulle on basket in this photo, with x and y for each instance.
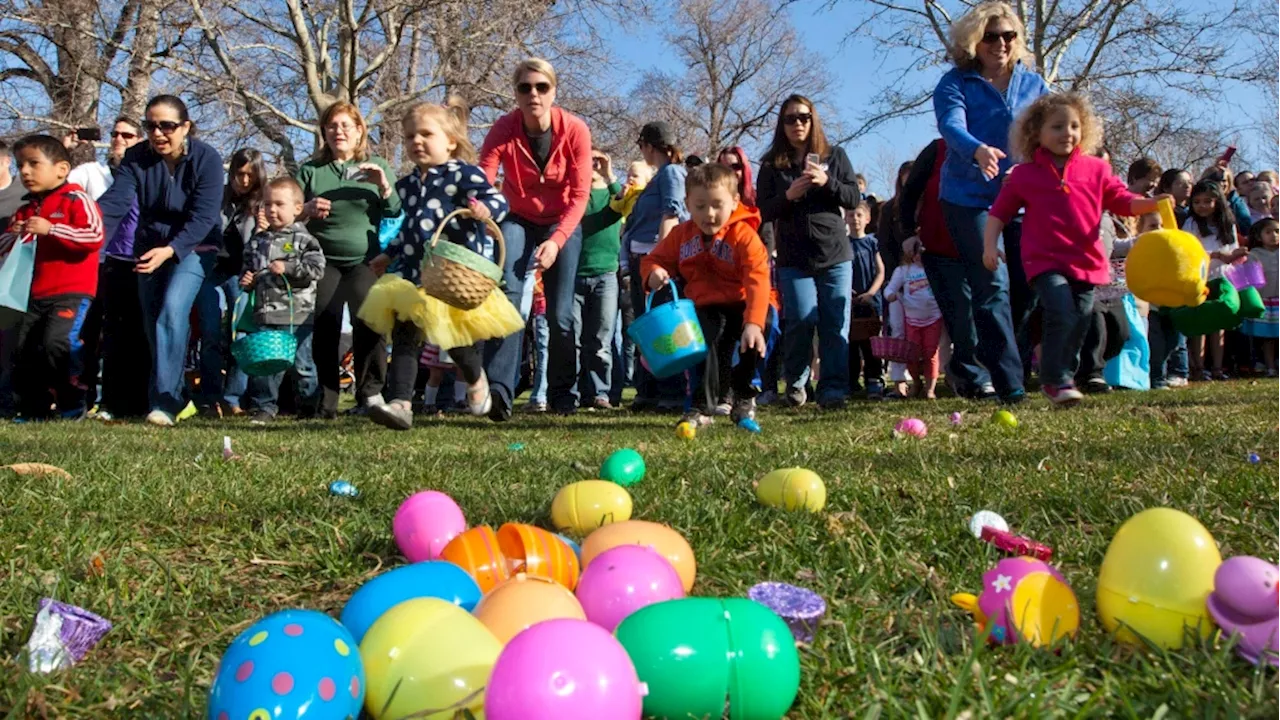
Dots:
(393, 298)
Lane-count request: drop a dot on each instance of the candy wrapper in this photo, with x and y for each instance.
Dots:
(801, 609)
(62, 636)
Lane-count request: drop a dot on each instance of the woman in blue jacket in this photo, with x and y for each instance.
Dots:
(178, 184)
(975, 104)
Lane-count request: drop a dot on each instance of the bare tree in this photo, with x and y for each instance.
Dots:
(741, 58)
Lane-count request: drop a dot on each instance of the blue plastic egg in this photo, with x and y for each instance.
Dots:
(294, 664)
(433, 578)
(572, 546)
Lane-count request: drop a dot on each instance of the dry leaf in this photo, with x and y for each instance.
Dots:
(37, 469)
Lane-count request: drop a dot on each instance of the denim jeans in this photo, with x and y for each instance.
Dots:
(167, 296)
(975, 305)
(264, 392)
(1163, 340)
(624, 352)
(541, 337)
(559, 286)
(216, 335)
(1179, 362)
(1068, 312)
(594, 310)
(818, 300)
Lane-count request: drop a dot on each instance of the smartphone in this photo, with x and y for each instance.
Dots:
(812, 159)
(353, 172)
(1230, 153)
(89, 134)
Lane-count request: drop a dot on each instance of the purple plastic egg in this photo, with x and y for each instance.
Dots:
(621, 580)
(425, 523)
(914, 427)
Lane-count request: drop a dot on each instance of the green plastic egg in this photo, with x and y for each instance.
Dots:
(694, 653)
(624, 467)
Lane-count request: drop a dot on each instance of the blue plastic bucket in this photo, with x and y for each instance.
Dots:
(669, 336)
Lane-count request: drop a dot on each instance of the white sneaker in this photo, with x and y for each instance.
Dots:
(1177, 382)
(723, 409)
(159, 418)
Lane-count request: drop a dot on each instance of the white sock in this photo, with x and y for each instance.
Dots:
(429, 395)
(459, 390)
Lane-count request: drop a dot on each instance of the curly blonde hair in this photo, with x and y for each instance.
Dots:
(967, 32)
(1024, 137)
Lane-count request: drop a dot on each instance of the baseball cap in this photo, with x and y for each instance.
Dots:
(657, 134)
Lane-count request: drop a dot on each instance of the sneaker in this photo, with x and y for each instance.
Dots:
(103, 416)
(796, 397)
(722, 409)
(363, 407)
(500, 408)
(601, 403)
(186, 413)
(986, 391)
(1221, 375)
(261, 417)
(535, 407)
(394, 415)
(1206, 376)
(768, 397)
(1017, 396)
(479, 399)
(744, 409)
(875, 391)
(159, 418)
(697, 419)
(1062, 395)
(1096, 386)
(1177, 381)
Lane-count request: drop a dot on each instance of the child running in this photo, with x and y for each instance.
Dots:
(725, 268)
(1064, 190)
(910, 285)
(444, 179)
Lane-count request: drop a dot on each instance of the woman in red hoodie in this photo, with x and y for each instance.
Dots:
(545, 157)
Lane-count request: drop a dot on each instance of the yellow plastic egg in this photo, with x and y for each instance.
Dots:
(1155, 578)
(589, 504)
(1168, 267)
(686, 430)
(792, 489)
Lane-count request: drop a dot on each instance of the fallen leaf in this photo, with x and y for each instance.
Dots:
(37, 469)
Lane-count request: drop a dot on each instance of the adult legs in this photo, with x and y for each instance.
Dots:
(558, 284)
(167, 296)
(502, 355)
(800, 312)
(834, 287)
(597, 306)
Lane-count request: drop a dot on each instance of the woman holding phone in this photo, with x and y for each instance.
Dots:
(804, 184)
(348, 191)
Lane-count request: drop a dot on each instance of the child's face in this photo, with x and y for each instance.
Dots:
(1203, 205)
(427, 143)
(1148, 222)
(1061, 131)
(1271, 238)
(857, 221)
(637, 173)
(711, 207)
(1180, 189)
(1260, 197)
(282, 206)
(39, 173)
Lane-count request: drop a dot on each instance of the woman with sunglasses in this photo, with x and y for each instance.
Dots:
(975, 104)
(804, 184)
(545, 156)
(177, 183)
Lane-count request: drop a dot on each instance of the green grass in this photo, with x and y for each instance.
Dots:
(194, 549)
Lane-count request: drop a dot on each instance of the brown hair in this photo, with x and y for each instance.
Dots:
(452, 117)
(342, 107)
(284, 183)
(780, 150)
(712, 175)
(1024, 137)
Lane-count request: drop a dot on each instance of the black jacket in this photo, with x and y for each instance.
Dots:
(810, 233)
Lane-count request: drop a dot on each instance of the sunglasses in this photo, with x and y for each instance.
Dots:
(797, 118)
(1008, 36)
(527, 88)
(733, 166)
(165, 126)
(126, 135)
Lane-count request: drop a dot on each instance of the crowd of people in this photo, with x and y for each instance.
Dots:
(999, 257)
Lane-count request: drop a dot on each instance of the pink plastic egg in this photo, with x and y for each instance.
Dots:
(621, 580)
(914, 427)
(425, 523)
(564, 670)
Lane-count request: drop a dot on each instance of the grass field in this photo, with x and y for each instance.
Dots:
(182, 550)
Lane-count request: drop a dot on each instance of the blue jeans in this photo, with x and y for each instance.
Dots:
(264, 392)
(1179, 364)
(538, 394)
(1164, 341)
(1068, 312)
(975, 305)
(559, 286)
(594, 311)
(215, 342)
(167, 296)
(821, 301)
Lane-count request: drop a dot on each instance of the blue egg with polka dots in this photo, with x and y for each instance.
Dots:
(293, 664)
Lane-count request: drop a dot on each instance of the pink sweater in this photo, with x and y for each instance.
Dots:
(1063, 214)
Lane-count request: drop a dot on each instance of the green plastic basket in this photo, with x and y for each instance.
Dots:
(266, 352)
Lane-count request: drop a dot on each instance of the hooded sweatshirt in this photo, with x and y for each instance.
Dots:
(66, 258)
(730, 268)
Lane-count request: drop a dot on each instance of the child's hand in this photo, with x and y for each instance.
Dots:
(246, 280)
(261, 218)
(753, 339)
(992, 258)
(863, 298)
(38, 226)
(658, 278)
(479, 210)
(379, 264)
(276, 267)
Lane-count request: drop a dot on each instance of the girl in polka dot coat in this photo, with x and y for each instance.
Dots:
(444, 180)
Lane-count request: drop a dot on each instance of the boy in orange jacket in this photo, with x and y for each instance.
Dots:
(725, 268)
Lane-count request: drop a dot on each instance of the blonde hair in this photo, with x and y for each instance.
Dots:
(645, 169)
(967, 32)
(342, 107)
(1024, 137)
(452, 118)
(533, 64)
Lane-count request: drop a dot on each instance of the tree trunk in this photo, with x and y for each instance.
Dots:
(138, 82)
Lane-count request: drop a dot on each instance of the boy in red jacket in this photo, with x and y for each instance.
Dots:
(66, 226)
(726, 272)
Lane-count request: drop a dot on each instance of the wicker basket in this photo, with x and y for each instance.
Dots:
(895, 349)
(457, 276)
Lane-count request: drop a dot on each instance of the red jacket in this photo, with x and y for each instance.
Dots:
(732, 267)
(66, 258)
(556, 195)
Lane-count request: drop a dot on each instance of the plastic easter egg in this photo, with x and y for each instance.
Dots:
(534, 551)
(956, 418)
(1004, 418)
(574, 546)
(586, 505)
(295, 664)
(913, 427)
(477, 551)
(427, 654)
(686, 431)
(669, 543)
(694, 653)
(524, 601)
(437, 579)
(564, 670)
(625, 467)
(792, 489)
(1156, 576)
(622, 580)
(1027, 600)
(425, 523)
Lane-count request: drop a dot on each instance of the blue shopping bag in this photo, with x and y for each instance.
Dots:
(15, 282)
(1132, 367)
